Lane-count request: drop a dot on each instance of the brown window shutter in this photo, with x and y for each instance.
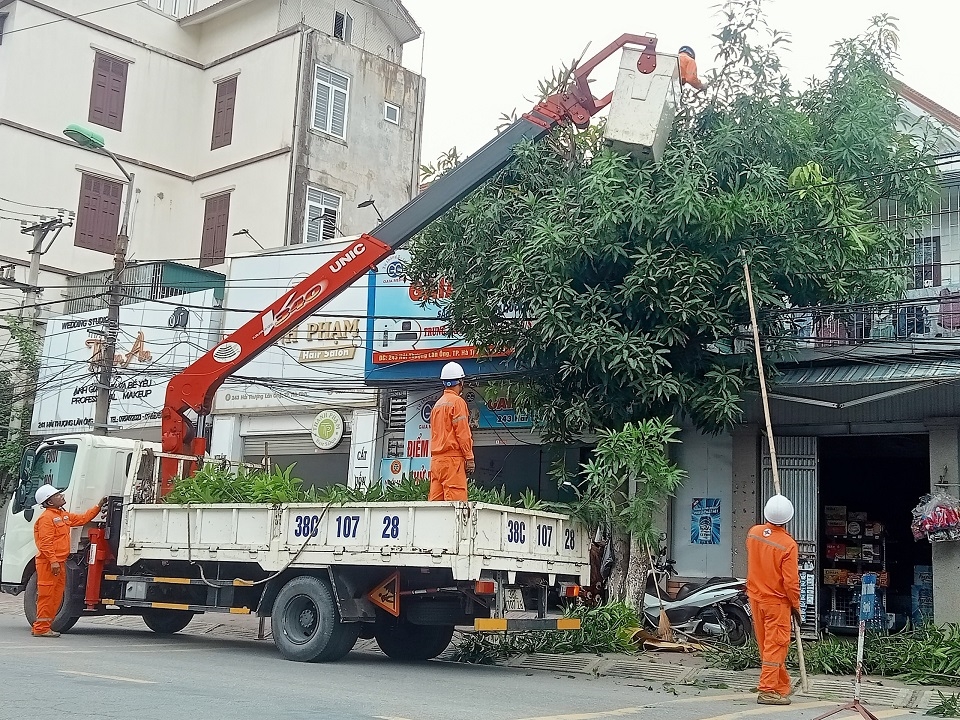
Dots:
(108, 92)
(213, 243)
(98, 215)
(223, 113)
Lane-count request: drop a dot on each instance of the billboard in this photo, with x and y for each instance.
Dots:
(407, 341)
(157, 339)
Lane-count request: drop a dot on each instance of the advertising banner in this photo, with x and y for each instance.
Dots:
(156, 340)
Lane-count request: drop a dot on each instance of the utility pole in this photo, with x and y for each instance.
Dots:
(31, 290)
(107, 358)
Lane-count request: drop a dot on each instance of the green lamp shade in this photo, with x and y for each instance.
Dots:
(84, 137)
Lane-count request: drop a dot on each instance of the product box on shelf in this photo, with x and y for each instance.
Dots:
(836, 528)
(860, 517)
(835, 512)
(836, 550)
(834, 576)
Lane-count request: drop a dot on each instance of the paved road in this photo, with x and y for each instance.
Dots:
(110, 671)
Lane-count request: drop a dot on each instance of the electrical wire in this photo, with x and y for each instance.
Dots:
(72, 17)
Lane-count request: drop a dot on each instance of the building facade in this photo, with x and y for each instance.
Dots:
(247, 124)
(865, 421)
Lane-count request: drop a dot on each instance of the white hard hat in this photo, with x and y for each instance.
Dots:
(778, 510)
(45, 492)
(451, 374)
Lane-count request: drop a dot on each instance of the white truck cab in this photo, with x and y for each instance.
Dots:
(86, 467)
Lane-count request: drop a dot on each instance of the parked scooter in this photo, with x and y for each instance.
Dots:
(717, 607)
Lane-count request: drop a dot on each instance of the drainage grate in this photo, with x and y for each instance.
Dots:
(556, 663)
(651, 671)
(931, 698)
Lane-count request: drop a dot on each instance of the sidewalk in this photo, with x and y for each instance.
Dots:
(648, 668)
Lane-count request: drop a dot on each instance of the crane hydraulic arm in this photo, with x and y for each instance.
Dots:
(194, 387)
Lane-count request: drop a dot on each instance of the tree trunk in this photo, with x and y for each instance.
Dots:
(628, 579)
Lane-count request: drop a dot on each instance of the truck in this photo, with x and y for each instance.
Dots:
(405, 574)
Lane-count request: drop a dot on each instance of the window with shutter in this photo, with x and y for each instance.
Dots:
(322, 216)
(343, 27)
(108, 91)
(223, 113)
(330, 102)
(98, 214)
(213, 243)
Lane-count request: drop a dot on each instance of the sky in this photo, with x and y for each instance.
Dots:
(482, 59)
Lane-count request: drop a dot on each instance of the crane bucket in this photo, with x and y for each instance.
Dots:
(644, 105)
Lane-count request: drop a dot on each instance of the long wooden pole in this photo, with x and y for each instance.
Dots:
(773, 450)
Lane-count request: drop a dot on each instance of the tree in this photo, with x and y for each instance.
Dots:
(16, 401)
(618, 285)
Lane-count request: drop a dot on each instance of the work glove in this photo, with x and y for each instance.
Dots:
(796, 616)
(471, 467)
(55, 568)
(104, 501)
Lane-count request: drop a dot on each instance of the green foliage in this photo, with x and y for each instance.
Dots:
(948, 707)
(215, 484)
(629, 479)
(929, 655)
(16, 400)
(603, 629)
(619, 285)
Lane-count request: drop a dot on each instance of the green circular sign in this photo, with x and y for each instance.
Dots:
(327, 431)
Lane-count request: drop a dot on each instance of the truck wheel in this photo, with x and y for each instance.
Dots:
(405, 641)
(167, 622)
(306, 623)
(62, 622)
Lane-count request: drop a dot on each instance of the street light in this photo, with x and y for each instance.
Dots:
(90, 140)
(371, 203)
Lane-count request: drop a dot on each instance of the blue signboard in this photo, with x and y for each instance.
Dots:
(407, 341)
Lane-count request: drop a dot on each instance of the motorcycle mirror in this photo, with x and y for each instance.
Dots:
(663, 537)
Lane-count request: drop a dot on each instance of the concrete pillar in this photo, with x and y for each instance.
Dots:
(226, 440)
(945, 475)
(744, 509)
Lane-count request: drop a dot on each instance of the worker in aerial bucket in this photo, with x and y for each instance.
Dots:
(51, 533)
(773, 585)
(688, 68)
(451, 443)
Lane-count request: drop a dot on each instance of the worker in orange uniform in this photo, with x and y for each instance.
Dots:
(451, 443)
(773, 585)
(688, 68)
(52, 535)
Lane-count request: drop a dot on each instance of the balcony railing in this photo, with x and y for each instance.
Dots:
(925, 314)
(141, 281)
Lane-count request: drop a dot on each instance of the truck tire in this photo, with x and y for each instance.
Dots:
(405, 641)
(63, 621)
(166, 622)
(306, 623)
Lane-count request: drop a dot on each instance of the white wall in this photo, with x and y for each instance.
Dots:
(708, 462)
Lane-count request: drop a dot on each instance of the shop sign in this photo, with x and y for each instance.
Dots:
(407, 338)
(327, 429)
(325, 349)
(150, 349)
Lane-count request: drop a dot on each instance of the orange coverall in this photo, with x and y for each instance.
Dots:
(688, 72)
(51, 532)
(451, 446)
(773, 585)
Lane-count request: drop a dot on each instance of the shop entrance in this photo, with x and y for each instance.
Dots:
(868, 486)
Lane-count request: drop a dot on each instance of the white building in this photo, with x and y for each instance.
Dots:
(268, 118)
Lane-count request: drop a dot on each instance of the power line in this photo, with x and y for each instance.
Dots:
(72, 17)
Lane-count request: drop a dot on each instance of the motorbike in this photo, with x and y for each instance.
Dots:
(717, 607)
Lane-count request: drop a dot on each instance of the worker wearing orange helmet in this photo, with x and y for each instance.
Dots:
(773, 585)
(51, 532)
(451, 442)
(688, 68)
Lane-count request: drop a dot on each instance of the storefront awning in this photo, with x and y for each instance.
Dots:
(914, 375)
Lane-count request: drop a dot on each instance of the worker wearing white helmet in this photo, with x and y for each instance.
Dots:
(51, 532)
(773, 584)
(451, 442)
